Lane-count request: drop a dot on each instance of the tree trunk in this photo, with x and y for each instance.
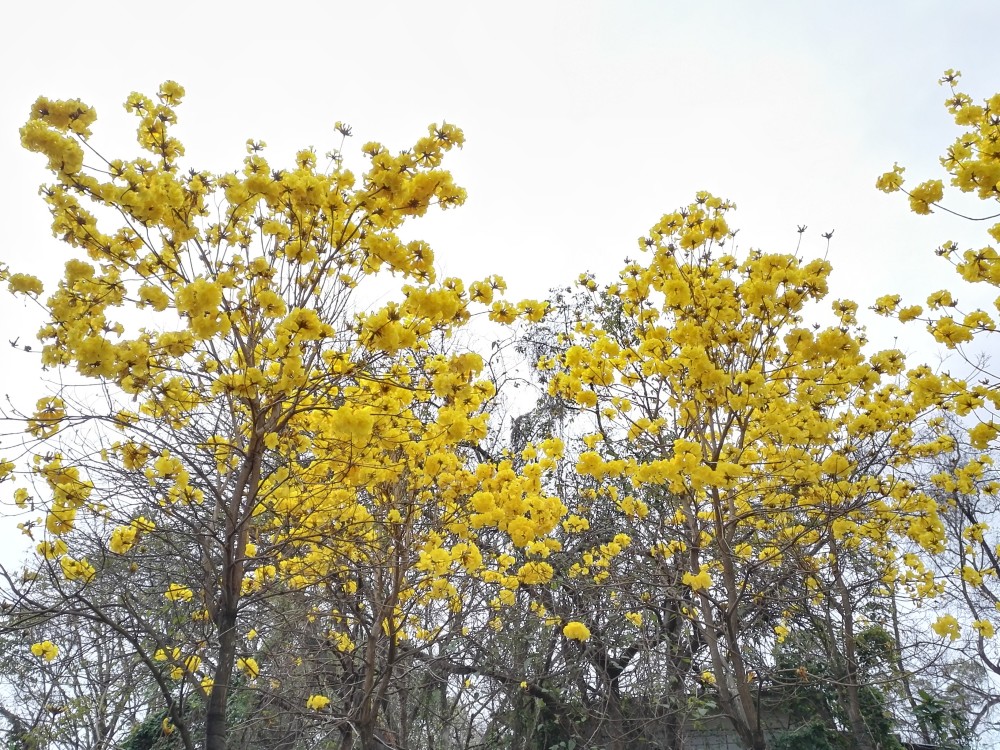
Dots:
(736, 698)
(904, 677)
(216, 726)
(862, 736)
(238, 514)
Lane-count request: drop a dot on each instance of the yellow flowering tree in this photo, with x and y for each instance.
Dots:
(755, 456)
(965, 480)
(966, 484)
(607, 615)
(261, 431)
(972, 162)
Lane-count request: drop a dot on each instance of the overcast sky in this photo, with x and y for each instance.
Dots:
(585, 121)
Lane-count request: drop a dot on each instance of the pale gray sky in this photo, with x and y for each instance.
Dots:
(585, 121)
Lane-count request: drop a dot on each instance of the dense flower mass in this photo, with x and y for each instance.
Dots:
(297, 499)
(264, 433)
(947, 626)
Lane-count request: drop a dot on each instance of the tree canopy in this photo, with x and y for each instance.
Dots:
(284, 482)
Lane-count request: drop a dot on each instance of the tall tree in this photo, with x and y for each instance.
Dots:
(764, 454)
(258, 429)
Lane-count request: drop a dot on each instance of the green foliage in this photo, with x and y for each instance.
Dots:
(877, 718)
(149, 735)
(814, 697)
(947, 722)
(814, 735)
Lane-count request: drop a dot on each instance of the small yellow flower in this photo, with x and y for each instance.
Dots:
(576, 631)
(22, 283)
(892, 180)
(317, 702)
(982, 434)
(177, 592)
(122, 539)
(984, 628)
(924, 195)
(947, 625)
(700, 582)
(45, 650)
(164, 655)
(249, 666)
(534, 572)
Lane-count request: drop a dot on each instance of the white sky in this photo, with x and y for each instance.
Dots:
(585, 121)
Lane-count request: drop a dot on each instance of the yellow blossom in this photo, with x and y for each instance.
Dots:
(947, 625)
(317, 702)
(535, 572)
(700, 582)
(177, 592)
(122, 539)
(249, 666)
(984, 628)
(20, 283)
(45, 650)
(576, 631)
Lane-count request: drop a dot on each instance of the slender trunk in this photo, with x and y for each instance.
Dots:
(616, 721)
(238, 514)
(216, 725)
(904, 677)
(862, 737)
(671, 732)
(738, 707)
(736, 697)
(404, 726)
(376, 684)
